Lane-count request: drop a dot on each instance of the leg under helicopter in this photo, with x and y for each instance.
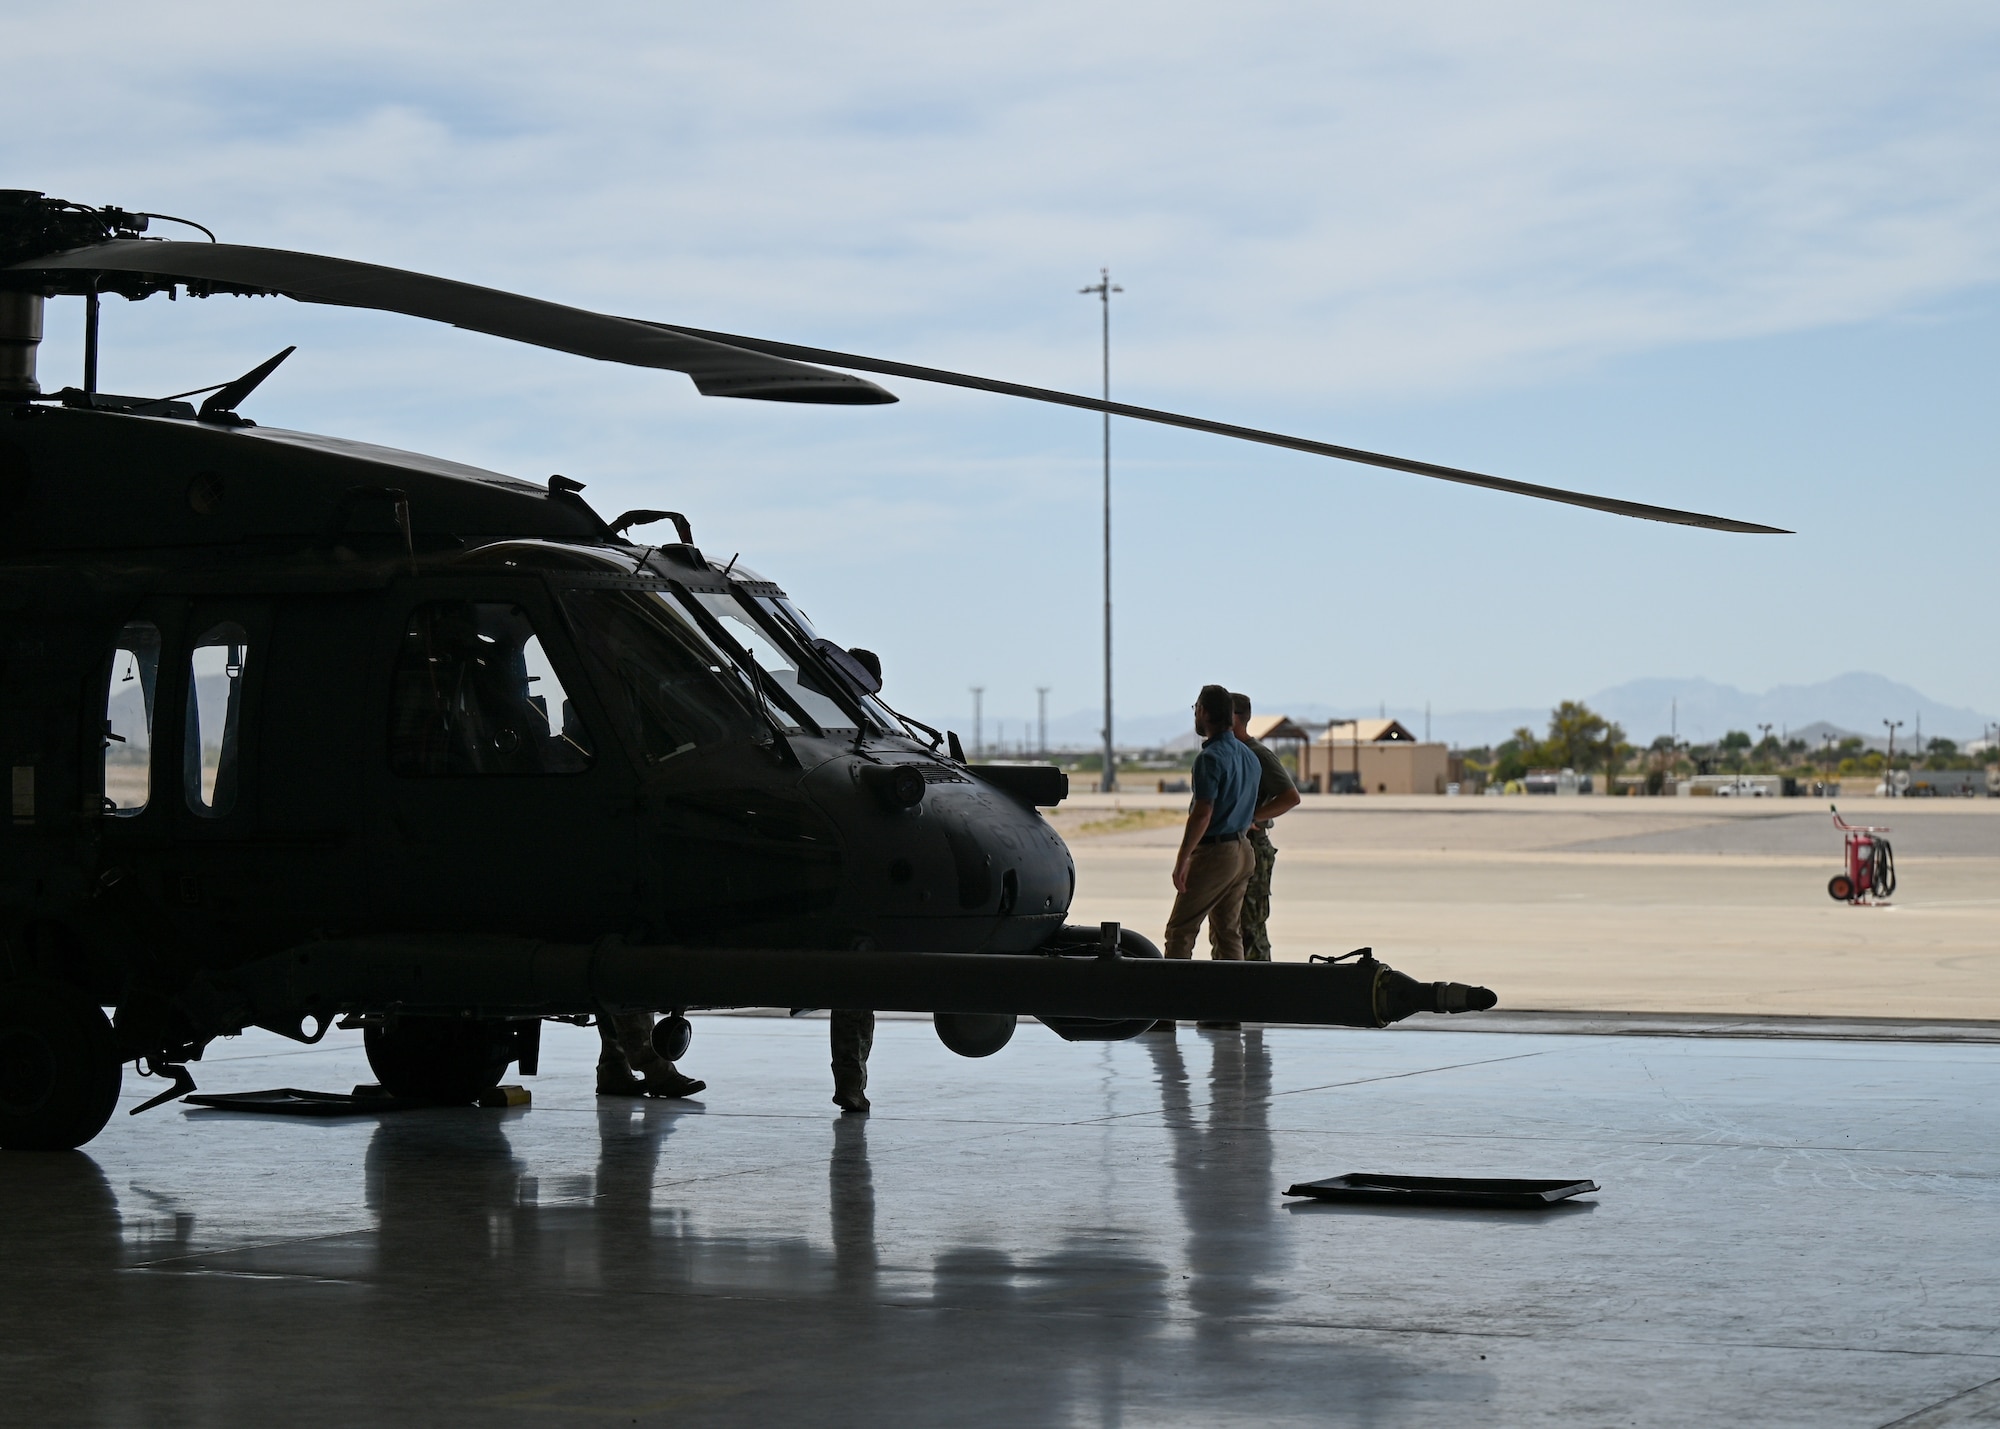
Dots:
(631, 1061)
(851, 1037)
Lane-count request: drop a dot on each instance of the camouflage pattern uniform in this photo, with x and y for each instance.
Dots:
(1257, 896)
(625, 1048)
(851, 1036)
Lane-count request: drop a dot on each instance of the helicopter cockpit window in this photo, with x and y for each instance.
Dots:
(794, 619)
(211, 764)
(128, 718)
(474, 693)
(658, 674)
(779, 666)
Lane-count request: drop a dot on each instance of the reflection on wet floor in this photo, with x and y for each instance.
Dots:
(1063, 1234)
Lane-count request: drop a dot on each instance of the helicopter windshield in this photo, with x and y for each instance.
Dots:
(805, 685)
(790, 617)
(660, 676)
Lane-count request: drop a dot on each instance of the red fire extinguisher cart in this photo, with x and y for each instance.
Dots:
(1871, 864)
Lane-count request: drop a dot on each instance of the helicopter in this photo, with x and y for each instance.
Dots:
(303, 732)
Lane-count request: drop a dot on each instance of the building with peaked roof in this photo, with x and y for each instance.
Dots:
(1269, 728)
(1373, 756)
(1284, 736)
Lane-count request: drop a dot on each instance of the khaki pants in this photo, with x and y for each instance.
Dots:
(1217, 876)
(1257, 898)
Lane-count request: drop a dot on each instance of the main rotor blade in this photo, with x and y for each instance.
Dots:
(721, 364)
(1611, 504)
(718, 370)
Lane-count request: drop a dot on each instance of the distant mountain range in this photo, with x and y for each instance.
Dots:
(1699, 710)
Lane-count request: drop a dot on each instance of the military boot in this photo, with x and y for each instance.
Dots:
(666, 1083)
(615, 1079)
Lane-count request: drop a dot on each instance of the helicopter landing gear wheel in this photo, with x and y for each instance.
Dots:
(1841, 887)
(59, 1067)
(446, 1060)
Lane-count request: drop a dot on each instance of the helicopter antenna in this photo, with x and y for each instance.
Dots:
(222, 406)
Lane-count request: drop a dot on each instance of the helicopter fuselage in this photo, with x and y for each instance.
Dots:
(300, 729)
(265, 687)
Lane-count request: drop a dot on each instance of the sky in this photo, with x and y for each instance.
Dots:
(1742, 258)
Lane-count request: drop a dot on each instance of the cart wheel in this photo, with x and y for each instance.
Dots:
(1841, 887)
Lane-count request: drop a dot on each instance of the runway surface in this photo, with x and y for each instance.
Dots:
(1642, 905)
(1789, 1232)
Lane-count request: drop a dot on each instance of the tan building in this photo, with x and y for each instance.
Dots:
(1285, 738)
(1277, 729)
(1379, 754)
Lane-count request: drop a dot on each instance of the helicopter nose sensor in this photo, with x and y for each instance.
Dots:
(899, 786)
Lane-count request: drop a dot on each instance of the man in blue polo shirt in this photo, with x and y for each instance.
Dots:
(1215, 858)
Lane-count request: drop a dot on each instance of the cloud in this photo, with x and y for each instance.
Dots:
(1306, 197)
(1406, 227)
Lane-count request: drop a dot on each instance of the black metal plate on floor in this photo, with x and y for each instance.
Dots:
(290, 1101)
(1492, 1192)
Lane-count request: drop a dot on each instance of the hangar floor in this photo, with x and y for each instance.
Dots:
(1789, 1232)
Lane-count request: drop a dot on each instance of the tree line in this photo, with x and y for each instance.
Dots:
(1580, 739)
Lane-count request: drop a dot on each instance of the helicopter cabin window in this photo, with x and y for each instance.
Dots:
(128, 719)
(474, 693)
(660, 677)
(211, 764)
(779, 666)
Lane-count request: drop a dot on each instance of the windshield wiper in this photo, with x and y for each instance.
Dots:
(833, 682)
(766, 690)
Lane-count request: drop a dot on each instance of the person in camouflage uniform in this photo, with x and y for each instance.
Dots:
(1276, 794)
(629, 1066)
(851, 1035)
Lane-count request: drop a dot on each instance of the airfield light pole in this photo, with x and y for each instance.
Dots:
(978, 710)
(1042, 721)
(1104, 288)
(1889, 766)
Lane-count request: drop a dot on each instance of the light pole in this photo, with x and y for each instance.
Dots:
(1104, 288)
(1042, 721)
(1889, 768)
(978, 712)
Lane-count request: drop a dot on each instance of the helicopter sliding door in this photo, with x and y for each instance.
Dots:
(512, 807)
(179, 764)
